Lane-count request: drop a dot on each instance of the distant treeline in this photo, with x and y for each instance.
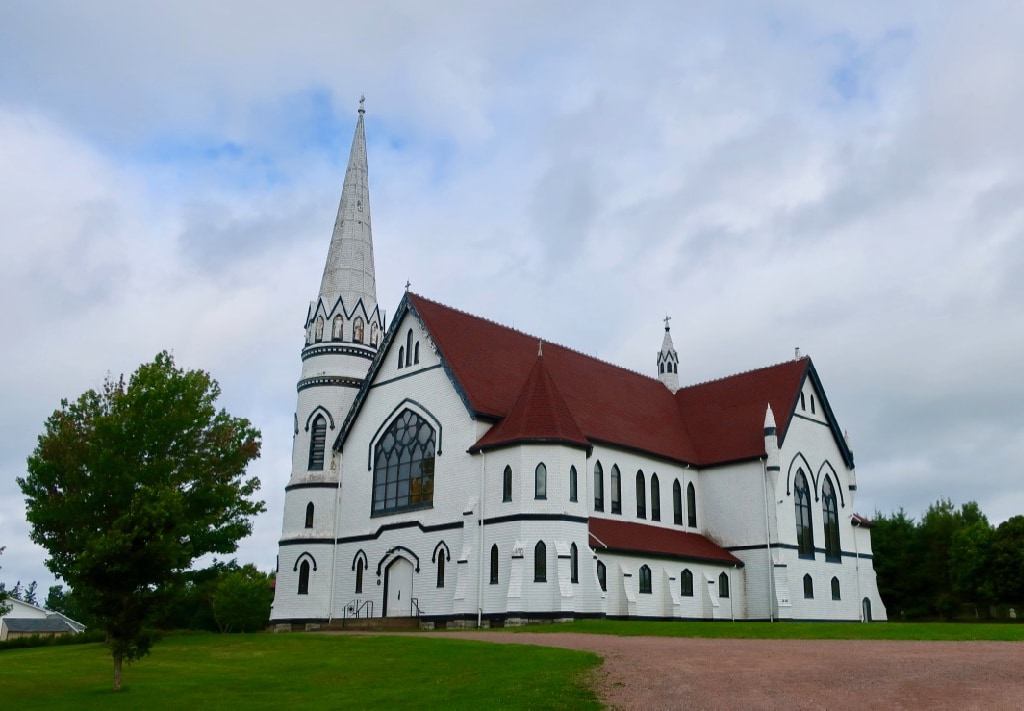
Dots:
(951, 564)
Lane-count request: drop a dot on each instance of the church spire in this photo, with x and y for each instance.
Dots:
(668, 361)
(348, 273)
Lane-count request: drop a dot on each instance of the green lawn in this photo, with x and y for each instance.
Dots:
(299, 671)
(952, 631)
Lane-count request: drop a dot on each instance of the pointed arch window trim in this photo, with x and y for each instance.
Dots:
(804, 518)
(415, 406)
(404, 465)
(691, 505)
(318, 444)
(830, 521)
(320, 409)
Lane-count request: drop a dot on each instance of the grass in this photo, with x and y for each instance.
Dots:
(907, 631)
(302, 671)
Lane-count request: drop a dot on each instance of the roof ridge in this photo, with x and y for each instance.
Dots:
(744, 372)
(570, 349)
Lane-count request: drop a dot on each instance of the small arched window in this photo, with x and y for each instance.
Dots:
(359, 577)
(357, 330)
(598, 487)
(655, 498)
(835, 589)
(677, 503)
(416, 353)
(309, 515)
(540, 482)
(574, 564)
(661, 368)
(408, 347)
(616, 490)
(831, 512)
(691, 506)
(602, 576)
(337, 331)
(317, 443)
(686, 583)
(401, 357)
(304, 578)
(802, 501)
(494, 565)
(506, 484)
(645, 580)
(808, 586)
(723, 585)
(440, 569)
(540, 563)
(641, 496)
(572, 484)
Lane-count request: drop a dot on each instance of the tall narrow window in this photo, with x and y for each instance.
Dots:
(440, 569)
(677, 503)
(723, 585)
(835, 589)
(317, 443)
(304, 578)
(691, 506)
(602, 576)
(802, 500)
(506, 484)
(401, 357)
(540, 563)
(616, 490)
(359, 577)
(808, 586)
(572, 484)
(598, 487)
(540, 482)
(686, 583)
(574, 564)
(494, 565)
(641, 496)
(655, 498)
(416, 353)
(408, 348)
(832, 550)
(645, 580)
(309, 515)
(403, 467)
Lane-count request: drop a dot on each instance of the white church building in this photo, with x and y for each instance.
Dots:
(462, 472)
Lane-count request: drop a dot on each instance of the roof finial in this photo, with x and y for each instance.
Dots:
(407, 284)
(667, 319)
(540, 349)
(362, 108)
(796, 353)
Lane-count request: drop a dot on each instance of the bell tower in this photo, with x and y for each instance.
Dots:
(668, 361)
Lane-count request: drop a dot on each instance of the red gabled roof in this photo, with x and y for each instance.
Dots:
(538, 415)
(629, 537)
(711, 423)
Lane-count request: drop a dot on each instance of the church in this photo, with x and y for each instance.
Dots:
(455, 470)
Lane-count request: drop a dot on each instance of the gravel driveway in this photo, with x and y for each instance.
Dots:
(684, 673)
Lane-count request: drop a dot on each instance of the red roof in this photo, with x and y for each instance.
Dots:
(538, 415)
(630, 537)
(710, 423)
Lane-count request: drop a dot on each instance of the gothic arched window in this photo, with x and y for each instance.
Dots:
(602, 576)
(802, 500)
(408, 348)
(440, 570)
(598, 487)
(677, 503)
(655, 498)
(645, 579)
(572, 484)
(616, 490)
(540, 482)
(808, 586)
(835, 589)
(641, 496)
(416, 353)
(832, 550)
(506, 484)
(723, 585)
(401, 357)
(304, 578)
(309, 515)
(494, 565)
(403, 468)
(574, 564)
(686, 583)
(691, 506)
(359, 577)
(540, 563)
(317, 443)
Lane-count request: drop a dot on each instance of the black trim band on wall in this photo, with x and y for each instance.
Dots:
(311, 485)
(398, 526)
(320, 381)
(403, 376)
(791, 547)
(334, 349)
(536, 517)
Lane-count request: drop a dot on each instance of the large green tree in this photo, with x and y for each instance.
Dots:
(128, 485)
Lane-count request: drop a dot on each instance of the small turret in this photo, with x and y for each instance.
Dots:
(668, 361)
(771, 441)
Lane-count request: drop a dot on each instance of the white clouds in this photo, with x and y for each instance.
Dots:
(844, 180)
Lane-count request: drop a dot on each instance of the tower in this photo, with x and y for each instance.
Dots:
(343, 329)
(668, 361)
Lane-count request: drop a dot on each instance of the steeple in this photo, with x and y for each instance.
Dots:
(668, 361)
(348, 273)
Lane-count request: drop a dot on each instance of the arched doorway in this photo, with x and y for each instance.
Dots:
(398, 588)
(866, 610)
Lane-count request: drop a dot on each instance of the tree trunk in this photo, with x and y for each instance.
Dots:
(117, 672)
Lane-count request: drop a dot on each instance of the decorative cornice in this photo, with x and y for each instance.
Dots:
(359, 351)
(328, 380)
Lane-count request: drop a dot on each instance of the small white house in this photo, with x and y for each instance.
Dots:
(26, 620)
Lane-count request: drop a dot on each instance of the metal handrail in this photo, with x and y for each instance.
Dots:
(355, 608)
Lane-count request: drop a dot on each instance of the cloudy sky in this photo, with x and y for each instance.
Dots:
(771, 174)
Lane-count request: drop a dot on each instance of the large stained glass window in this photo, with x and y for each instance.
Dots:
(403, 470)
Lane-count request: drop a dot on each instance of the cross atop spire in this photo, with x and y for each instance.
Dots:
(362, 107)
(666, 320)
(349, 273)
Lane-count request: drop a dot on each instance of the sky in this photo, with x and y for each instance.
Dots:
(843, 178)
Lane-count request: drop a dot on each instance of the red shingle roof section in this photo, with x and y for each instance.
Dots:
(711, 423)
(538, 415)
(629, 537)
